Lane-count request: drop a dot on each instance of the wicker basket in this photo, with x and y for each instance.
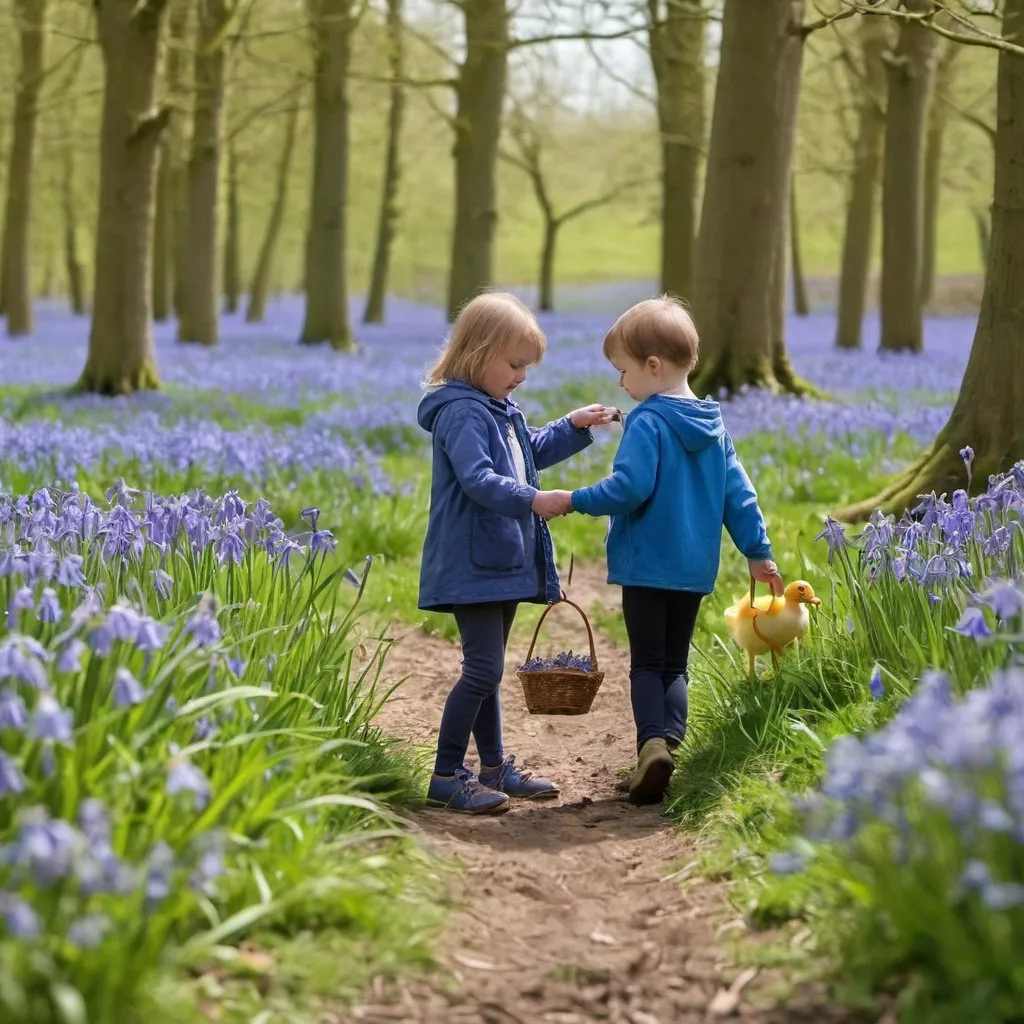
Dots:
(561, 691)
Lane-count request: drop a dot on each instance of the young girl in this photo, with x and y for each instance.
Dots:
(487, 545)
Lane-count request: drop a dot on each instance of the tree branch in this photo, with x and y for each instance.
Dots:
(584, 36)
(601, 200)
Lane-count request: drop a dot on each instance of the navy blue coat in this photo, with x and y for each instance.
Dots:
(484, 542)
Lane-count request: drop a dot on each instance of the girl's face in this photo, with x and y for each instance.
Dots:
(505, 372)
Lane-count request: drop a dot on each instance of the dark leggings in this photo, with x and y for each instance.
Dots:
(474, 704)
(660, 626)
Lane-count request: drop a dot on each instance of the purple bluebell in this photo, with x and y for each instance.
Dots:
(12, 710)
(128, 690)
(49, 606)
(89, 931)
(69, 573)
(875, 684)
(19, 918)
(22, 601)
(11, 778)
(185, 777)
(162, 583)
(70, 657)
(50, 721)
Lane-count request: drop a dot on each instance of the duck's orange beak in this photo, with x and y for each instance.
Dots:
(813, 600)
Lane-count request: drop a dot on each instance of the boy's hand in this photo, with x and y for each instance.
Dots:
(766, 571)
(552, 503)
(594, 416)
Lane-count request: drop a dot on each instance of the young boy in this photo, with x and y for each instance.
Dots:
(675, 481)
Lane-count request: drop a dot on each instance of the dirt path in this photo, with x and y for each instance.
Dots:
(572, 911)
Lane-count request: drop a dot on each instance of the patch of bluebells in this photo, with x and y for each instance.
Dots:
(562, 660)
(59, 452)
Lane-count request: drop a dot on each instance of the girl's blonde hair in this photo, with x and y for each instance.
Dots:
(489, 326)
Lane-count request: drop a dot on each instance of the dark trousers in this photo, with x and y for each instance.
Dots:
(474, 705)
(660, 627)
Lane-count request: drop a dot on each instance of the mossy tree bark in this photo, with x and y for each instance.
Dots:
(172, 174)
(480, 97)
(989, 412)
(859, 233)
(938, 118)
(122, 357)
(232, 242)
(746, 197)
(16, 253)
(910, 76)
(260, 286)
(201, 293)
(388, 219)
(677, 30)
(326, 317)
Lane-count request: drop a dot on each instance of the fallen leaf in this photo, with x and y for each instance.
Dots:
(476, 965)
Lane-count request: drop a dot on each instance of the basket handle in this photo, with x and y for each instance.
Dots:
(586, 622)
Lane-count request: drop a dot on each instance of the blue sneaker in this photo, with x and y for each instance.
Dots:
(517, 782)
(463, 793)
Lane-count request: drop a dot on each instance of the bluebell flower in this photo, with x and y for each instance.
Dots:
(69, 572)
(11, 779)
(50, 721)
(875, 684)
(972, 623)
(23, 657)
(834, 535)
(49, 606)
(22, 600)
(185, 777)
(312, 516)
(89, 931)
(1004, 598)
(71, 656)
(19, 917)
(127, 689)
(152, 635)
(158, 875)
(967, 454)
(787, 863)
(162, 583)
(203, 627)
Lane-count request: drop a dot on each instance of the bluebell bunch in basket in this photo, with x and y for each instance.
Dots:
(564, 659)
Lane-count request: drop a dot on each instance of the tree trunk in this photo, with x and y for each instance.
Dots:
(232, 254)
(72, 261)
(989, 412)
(801, 303)
(860, 211)
(199, 321)
(374, 312)
(911, 71)
(746, 195)
(981, 226)
(122, 357)
(169, 244)
(938, 118)
(480, 97)
(546, 295)
(261, 275)
(16, 264)
(677, 44)
(326, 286)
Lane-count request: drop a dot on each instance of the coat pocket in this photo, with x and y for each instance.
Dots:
(496, 543)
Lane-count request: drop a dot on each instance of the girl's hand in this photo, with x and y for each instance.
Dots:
(594, 416)
(552, 503)
(766, 571)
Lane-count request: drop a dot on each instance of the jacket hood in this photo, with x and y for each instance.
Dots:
(436, 399)
(697, 422)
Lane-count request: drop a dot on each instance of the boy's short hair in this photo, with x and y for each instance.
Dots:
(655, 327)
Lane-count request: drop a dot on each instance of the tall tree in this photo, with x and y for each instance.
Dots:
(859, 232)
(260, 285)
(801, 300)
(989, 412)
(746, 197)
(200, 297)
(938, 118)
(911, 71)
(232, 241)
(16, 252)
(388, 219)
(480, 98)
(676, 33)
(326, 317)
(122, 357)
(69, 209)
(170, 237)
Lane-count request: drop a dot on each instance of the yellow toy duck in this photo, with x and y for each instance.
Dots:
(770, 623)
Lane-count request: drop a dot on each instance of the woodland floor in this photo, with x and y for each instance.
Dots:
(577, 910)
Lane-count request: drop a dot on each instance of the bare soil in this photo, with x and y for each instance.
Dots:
(575, 910)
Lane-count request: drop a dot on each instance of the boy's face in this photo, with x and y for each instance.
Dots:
(505, 372)
(638, 379)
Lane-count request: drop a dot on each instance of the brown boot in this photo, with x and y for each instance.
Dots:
(653, 770)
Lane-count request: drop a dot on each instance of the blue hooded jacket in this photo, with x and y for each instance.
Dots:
(484, 542)
(675, 481)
